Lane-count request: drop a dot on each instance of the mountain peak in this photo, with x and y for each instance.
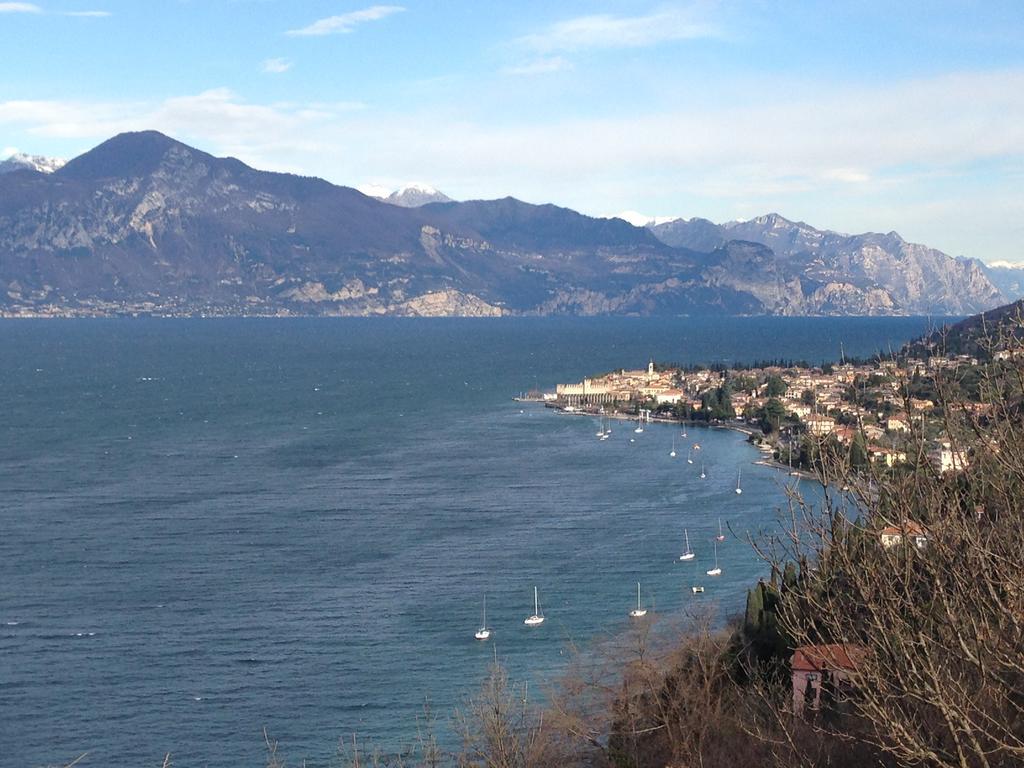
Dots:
(20, 161)
(414, 195)
(126, 155)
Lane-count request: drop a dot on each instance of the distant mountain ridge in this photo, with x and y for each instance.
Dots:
(145, 224)
(1008, 278)
(879, 273)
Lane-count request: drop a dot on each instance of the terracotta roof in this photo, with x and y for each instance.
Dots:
(817, 658)
(909, 528)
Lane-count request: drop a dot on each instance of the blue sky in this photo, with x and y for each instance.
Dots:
(855, 116)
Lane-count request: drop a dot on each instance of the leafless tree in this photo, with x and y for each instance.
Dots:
(939, 618)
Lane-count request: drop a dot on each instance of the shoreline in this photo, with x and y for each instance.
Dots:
(765, 460)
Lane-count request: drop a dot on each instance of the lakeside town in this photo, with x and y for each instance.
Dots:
(876, 412)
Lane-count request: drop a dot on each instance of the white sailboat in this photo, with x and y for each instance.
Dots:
(689, 456)
(639, 611)
(688, 554)
(537, 617)
(702, 475)
(721, 534)
(672, 453)
(738, 489)
(716, 571)
(483, 633)
(684, 431)
(639, 423)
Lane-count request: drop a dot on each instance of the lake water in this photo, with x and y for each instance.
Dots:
(212, 526)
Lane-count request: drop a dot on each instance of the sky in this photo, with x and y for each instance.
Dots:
(858, 116)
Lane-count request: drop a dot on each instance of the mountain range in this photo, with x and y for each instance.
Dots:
(145, 224)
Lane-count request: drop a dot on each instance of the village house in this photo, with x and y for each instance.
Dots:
(871, 432)
(813, 665)
(819, 426)
(914, 534)
(945, 458)
(671, 396)
(896, 424)
(887, 456)
(798, 409)
(845, 435)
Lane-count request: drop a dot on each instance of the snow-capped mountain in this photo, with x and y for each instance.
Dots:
(20, 161)
(408, 196)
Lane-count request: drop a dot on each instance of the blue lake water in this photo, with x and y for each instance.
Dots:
(211, 527)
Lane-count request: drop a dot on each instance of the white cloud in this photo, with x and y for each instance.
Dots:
(377, 190)
(33, 8)
(276, 66)
(607, 31)
(541, 66)
(346, 22)
(7, 152)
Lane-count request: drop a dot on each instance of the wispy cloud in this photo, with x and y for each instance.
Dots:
(346, 22)
(541, 66)
(19, 8)
(607, 31)
(33, 8)
(276, 66)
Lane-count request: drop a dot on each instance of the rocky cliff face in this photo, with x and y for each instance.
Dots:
(146, 224)
(826, 272)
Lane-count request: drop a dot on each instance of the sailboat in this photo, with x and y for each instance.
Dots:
(702, 475)
(639, 611)
(672, 453)
(684, 431)
(721, 535)
(689, 456)
(716, 571)
(639, 424)
(688, 554)
(483, 633)
(537, 617)
(738, 489)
